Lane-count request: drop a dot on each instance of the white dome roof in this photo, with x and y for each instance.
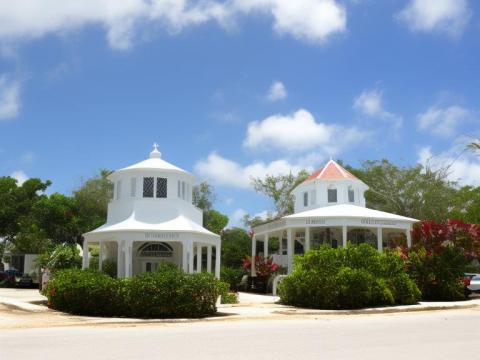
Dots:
(154, 162)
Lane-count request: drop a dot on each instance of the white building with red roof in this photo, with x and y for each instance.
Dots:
(330, 209)
(151, 220)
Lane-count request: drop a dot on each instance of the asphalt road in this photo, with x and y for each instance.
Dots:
(452, 334)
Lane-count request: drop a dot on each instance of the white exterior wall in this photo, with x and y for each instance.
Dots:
(152, 210)
(321, 189)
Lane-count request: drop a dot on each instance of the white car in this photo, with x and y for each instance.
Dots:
(472, 283)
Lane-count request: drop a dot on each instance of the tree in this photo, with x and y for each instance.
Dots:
(91, 200)
(57, 215)
(236, 244)
(474, 146)
(417, 191)
(16, 203)
(203, 198)
(466, 205)
(215, 221)
(279, 189)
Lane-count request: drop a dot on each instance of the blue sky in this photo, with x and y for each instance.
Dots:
(238, 88)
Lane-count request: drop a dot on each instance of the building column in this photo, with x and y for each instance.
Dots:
(265, 246)
(306, 245)
(209, 258)
(379, 239)
(128, 258)
(344, 235)
(289, 250)
(120, 259)
(409, 238)
(199, 258)
(185, 256)
(190, 257)
(100, 255)
(254, 251)
(217, 260)
(85, 255)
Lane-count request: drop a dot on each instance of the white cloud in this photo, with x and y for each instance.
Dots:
(443, 121)
(20, 176)
(235, 219)
(444, 16)
(300, 132)
(9, 97)
(277, 91)
(370, 103)
(463, 167)
(222, 171)
(311, 20)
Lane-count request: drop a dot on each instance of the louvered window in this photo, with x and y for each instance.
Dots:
(161, 187)
(148, 187)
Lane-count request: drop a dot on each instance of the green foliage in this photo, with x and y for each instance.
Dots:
(232, 276)
(16, 202)
(279, 189)
(109, 267)
(85, 292)
(466, 205)
(91, 200)
(203, 196)
(418, 192)
(226, 297)
(215, 221)
(438, 275)
(64, 257)
(347, 278)
(236, 244)
(167, 293)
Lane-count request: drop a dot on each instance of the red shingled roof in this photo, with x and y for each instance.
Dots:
(331, 171)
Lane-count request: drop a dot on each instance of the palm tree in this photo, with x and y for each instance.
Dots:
(474, 146)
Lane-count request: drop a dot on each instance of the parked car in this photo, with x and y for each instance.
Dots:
(25, 281)
(472, 283)
(11, 276)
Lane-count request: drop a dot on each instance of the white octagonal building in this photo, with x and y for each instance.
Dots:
(151, 220)
(330, 209)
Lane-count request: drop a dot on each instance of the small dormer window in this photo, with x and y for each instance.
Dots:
(351, 194)
(305, 199)
(161, 187)
(332, 194)
(148, 187)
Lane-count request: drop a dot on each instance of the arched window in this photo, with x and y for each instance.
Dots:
(158, 249)
(332, 194)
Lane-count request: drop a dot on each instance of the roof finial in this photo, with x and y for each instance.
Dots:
(155, 154)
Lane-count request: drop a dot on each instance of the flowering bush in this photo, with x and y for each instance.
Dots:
(435, 237)
(264, 267)
(439, 256)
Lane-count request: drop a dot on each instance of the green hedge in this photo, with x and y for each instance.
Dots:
(233, 276)
(167, 293)
(348, 278)
(438, 275)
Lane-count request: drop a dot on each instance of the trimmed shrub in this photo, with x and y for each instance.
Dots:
(84, 292)
(232, 276)
(438, 275)
(167, 293)
(348, 278)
